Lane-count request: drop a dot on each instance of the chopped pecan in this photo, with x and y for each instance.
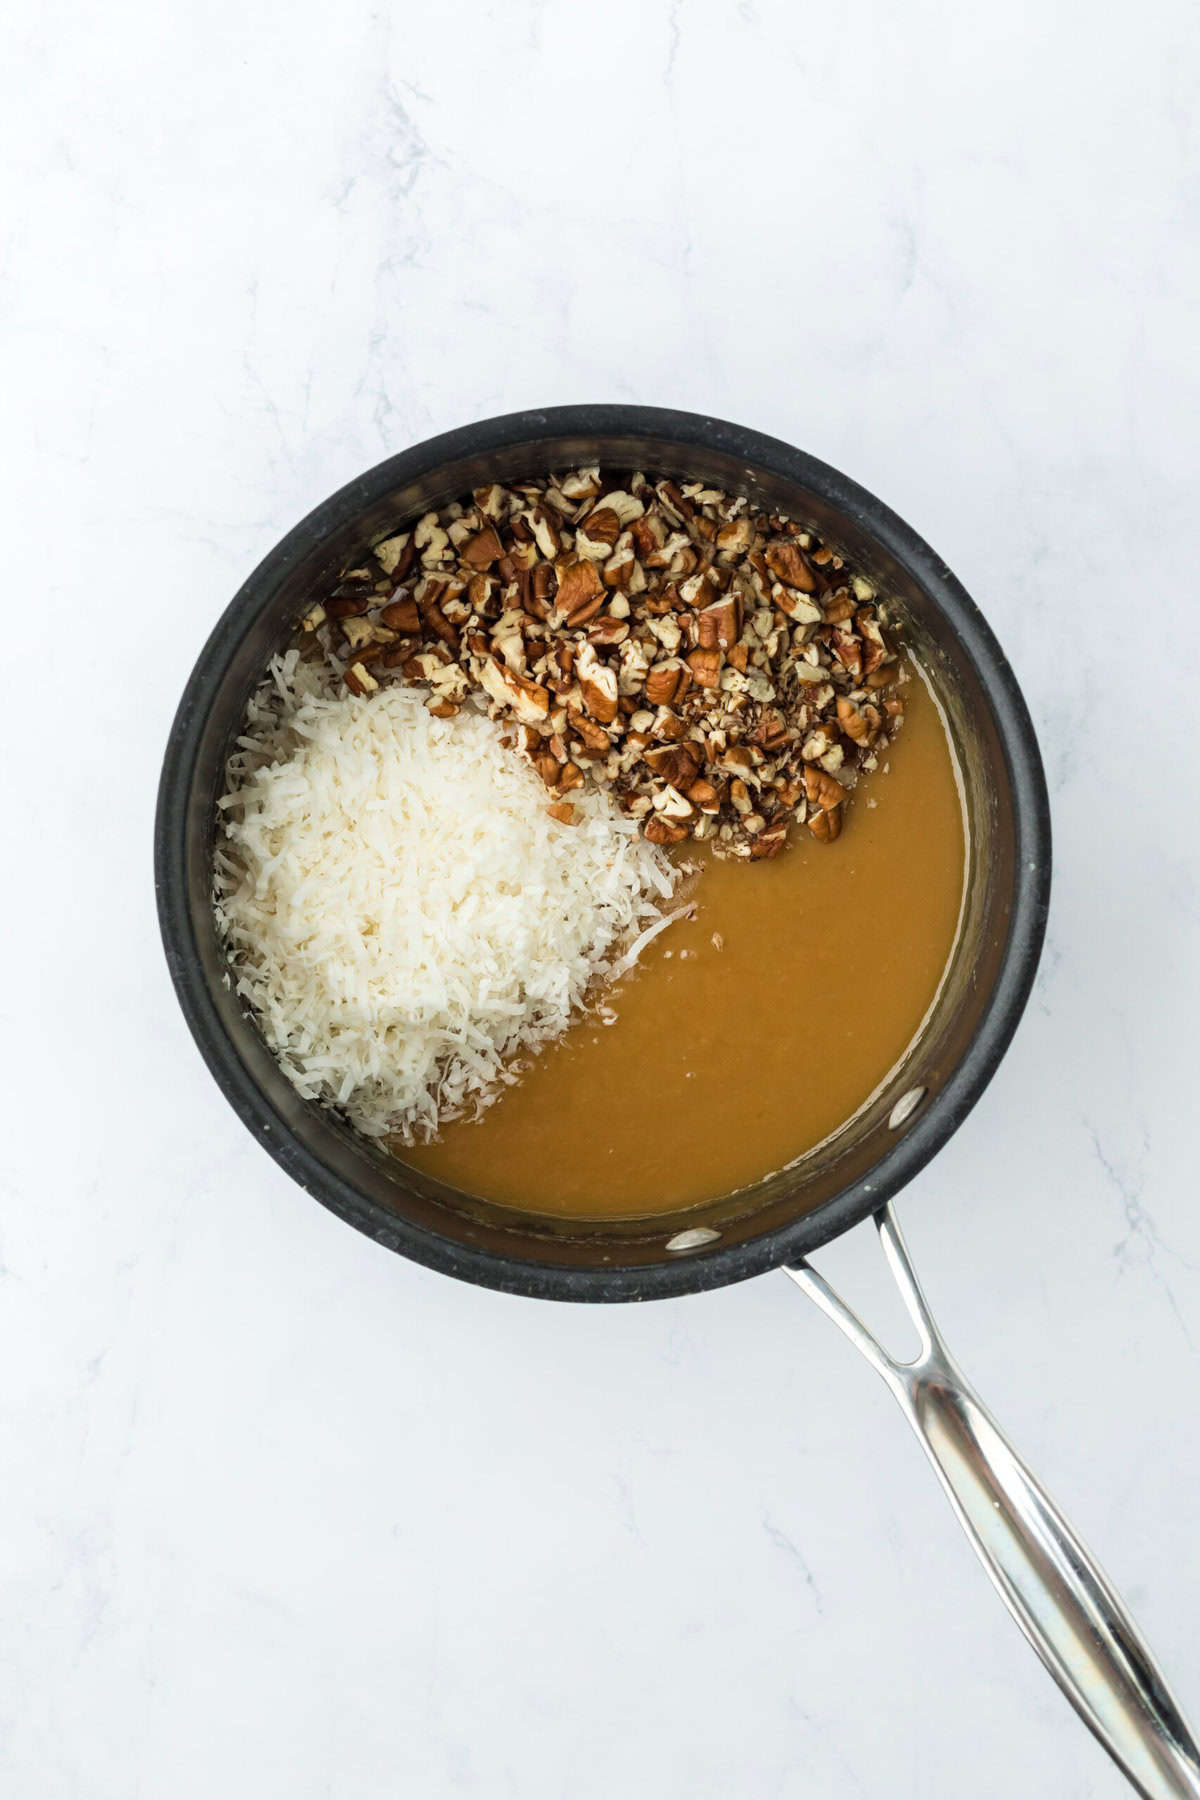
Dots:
(607, 631)
(735, 537)
(347, 606)
(788, 562)
(545, 531)
(658, 830)
(826, 826)
(393, 551)
(821, 789)
(858, 722)
(663, 681)
(401, 615)
(598, 533)
(706, 667)
(668, 724)
(770, 841)
(528, 699)
(593, 735)
(669, 803)
(720, 623)
(649, 535)
(678, 764)
(699, 655)
(597, 684)
(580, 590)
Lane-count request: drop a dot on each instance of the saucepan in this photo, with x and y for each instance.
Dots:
(1050, 1583)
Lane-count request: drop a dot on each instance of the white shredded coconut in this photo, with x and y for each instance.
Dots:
(401, 913)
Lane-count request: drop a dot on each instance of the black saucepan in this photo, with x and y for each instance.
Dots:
(1045, 1576)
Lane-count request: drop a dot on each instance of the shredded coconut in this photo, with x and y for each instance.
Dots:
(401, 913)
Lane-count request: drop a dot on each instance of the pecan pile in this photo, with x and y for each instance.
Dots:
(720, 669)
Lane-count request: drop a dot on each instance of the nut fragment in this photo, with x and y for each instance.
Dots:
(401, 615)
(822, 789)
(662, 682)
(787, 561)
(389, 553)
(658, 830)
(598, 533)
(826, 826)
(706, 667)
(580, 590)
(720, 623)
(481, 551)
(597, 685)
(676, 764)
(528, 699)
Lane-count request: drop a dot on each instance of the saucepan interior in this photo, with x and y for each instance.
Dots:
(969, 1027)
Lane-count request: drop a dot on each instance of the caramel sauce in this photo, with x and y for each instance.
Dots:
(723, 1065)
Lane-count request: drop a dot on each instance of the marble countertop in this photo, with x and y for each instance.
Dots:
(283, 1515)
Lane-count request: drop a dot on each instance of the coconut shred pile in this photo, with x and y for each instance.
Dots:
(400, 912)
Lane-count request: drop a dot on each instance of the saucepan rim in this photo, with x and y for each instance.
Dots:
(944, 1110)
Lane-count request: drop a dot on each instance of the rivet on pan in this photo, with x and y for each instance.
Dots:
(693, 1239)
(905, 1107)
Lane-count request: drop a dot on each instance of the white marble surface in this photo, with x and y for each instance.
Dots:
(281, 1515)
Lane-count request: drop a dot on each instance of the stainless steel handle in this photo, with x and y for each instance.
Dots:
(1050, 1583)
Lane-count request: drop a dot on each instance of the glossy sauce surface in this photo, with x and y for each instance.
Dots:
(724, 1064)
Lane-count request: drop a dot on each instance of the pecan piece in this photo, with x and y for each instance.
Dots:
(607, 631)
(663, 681)
(580, 590)
(592, 735)
(347, 606)
(825, 826)
(401, 615)
(671, 804)
(440, 625)
(703, 795)
(649, 535)
(720, 624)
(528, 699)
(706, 667)
(669, 725)
(481, 551)
(395, 551)
(736, 537)
(770, 842)
(860, 723)
(788, 563)
(822, 790)
(678, 764)
(848, 650)
(597, 685)
(597, 535)
(658, 830)
(545, 532)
